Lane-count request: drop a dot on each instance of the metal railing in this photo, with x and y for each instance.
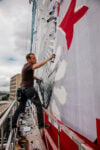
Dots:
(73, 136)
(3, 120)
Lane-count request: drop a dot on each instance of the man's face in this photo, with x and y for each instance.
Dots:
(32, 59)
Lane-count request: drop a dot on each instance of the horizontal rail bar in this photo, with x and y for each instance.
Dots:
(3, 118)
(86, 147)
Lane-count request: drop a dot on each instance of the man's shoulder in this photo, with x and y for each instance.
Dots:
(27, 66)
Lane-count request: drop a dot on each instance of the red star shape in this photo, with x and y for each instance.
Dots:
(70, 19)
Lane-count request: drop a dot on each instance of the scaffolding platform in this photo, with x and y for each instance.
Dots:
(28, 134)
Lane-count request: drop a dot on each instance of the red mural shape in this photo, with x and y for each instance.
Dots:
(70, 19)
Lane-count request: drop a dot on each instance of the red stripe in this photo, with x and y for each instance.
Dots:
(65, 141)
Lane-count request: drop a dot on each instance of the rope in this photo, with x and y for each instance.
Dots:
(27, 29)
(33, 22)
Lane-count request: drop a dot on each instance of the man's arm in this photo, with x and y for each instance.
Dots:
(43, 62)
(35, 78)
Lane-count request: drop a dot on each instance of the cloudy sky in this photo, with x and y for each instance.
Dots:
(15, 27)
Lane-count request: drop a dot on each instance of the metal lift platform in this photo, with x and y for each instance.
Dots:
(28, 135)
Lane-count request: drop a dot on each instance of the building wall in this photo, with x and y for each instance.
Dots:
(76, 70)
(14, 84)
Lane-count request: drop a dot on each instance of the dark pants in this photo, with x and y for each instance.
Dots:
(29, 93)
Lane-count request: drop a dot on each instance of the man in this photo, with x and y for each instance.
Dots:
(28, 90)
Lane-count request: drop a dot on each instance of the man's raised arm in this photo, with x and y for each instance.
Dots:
(43, 62)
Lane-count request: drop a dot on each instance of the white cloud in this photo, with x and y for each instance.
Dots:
(15, 28)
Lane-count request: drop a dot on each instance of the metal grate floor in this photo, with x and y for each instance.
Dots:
(28, 130)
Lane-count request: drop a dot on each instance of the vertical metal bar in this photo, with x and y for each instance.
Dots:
(2, 140)
(9, 140)
(98, 130)
(11, 120)
(14, 130)
(58, 137)
(14, 136)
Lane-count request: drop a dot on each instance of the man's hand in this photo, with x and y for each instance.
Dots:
(39, 81)
(52, 56)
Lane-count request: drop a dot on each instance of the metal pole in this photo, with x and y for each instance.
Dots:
(50, 140)
(58, 137)
(2, 140)
(9, 140)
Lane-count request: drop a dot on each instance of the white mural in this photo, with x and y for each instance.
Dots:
(73, 34)
(61, 70)
(61, 94)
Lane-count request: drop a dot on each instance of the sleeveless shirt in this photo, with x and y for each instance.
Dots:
(27, 75)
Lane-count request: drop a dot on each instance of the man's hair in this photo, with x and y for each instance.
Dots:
(28, 55)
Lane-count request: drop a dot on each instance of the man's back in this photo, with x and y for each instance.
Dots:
(27, 76)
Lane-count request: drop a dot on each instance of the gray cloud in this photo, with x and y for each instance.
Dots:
(15, 28)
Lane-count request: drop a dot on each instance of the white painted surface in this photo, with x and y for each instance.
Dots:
(76, 95)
